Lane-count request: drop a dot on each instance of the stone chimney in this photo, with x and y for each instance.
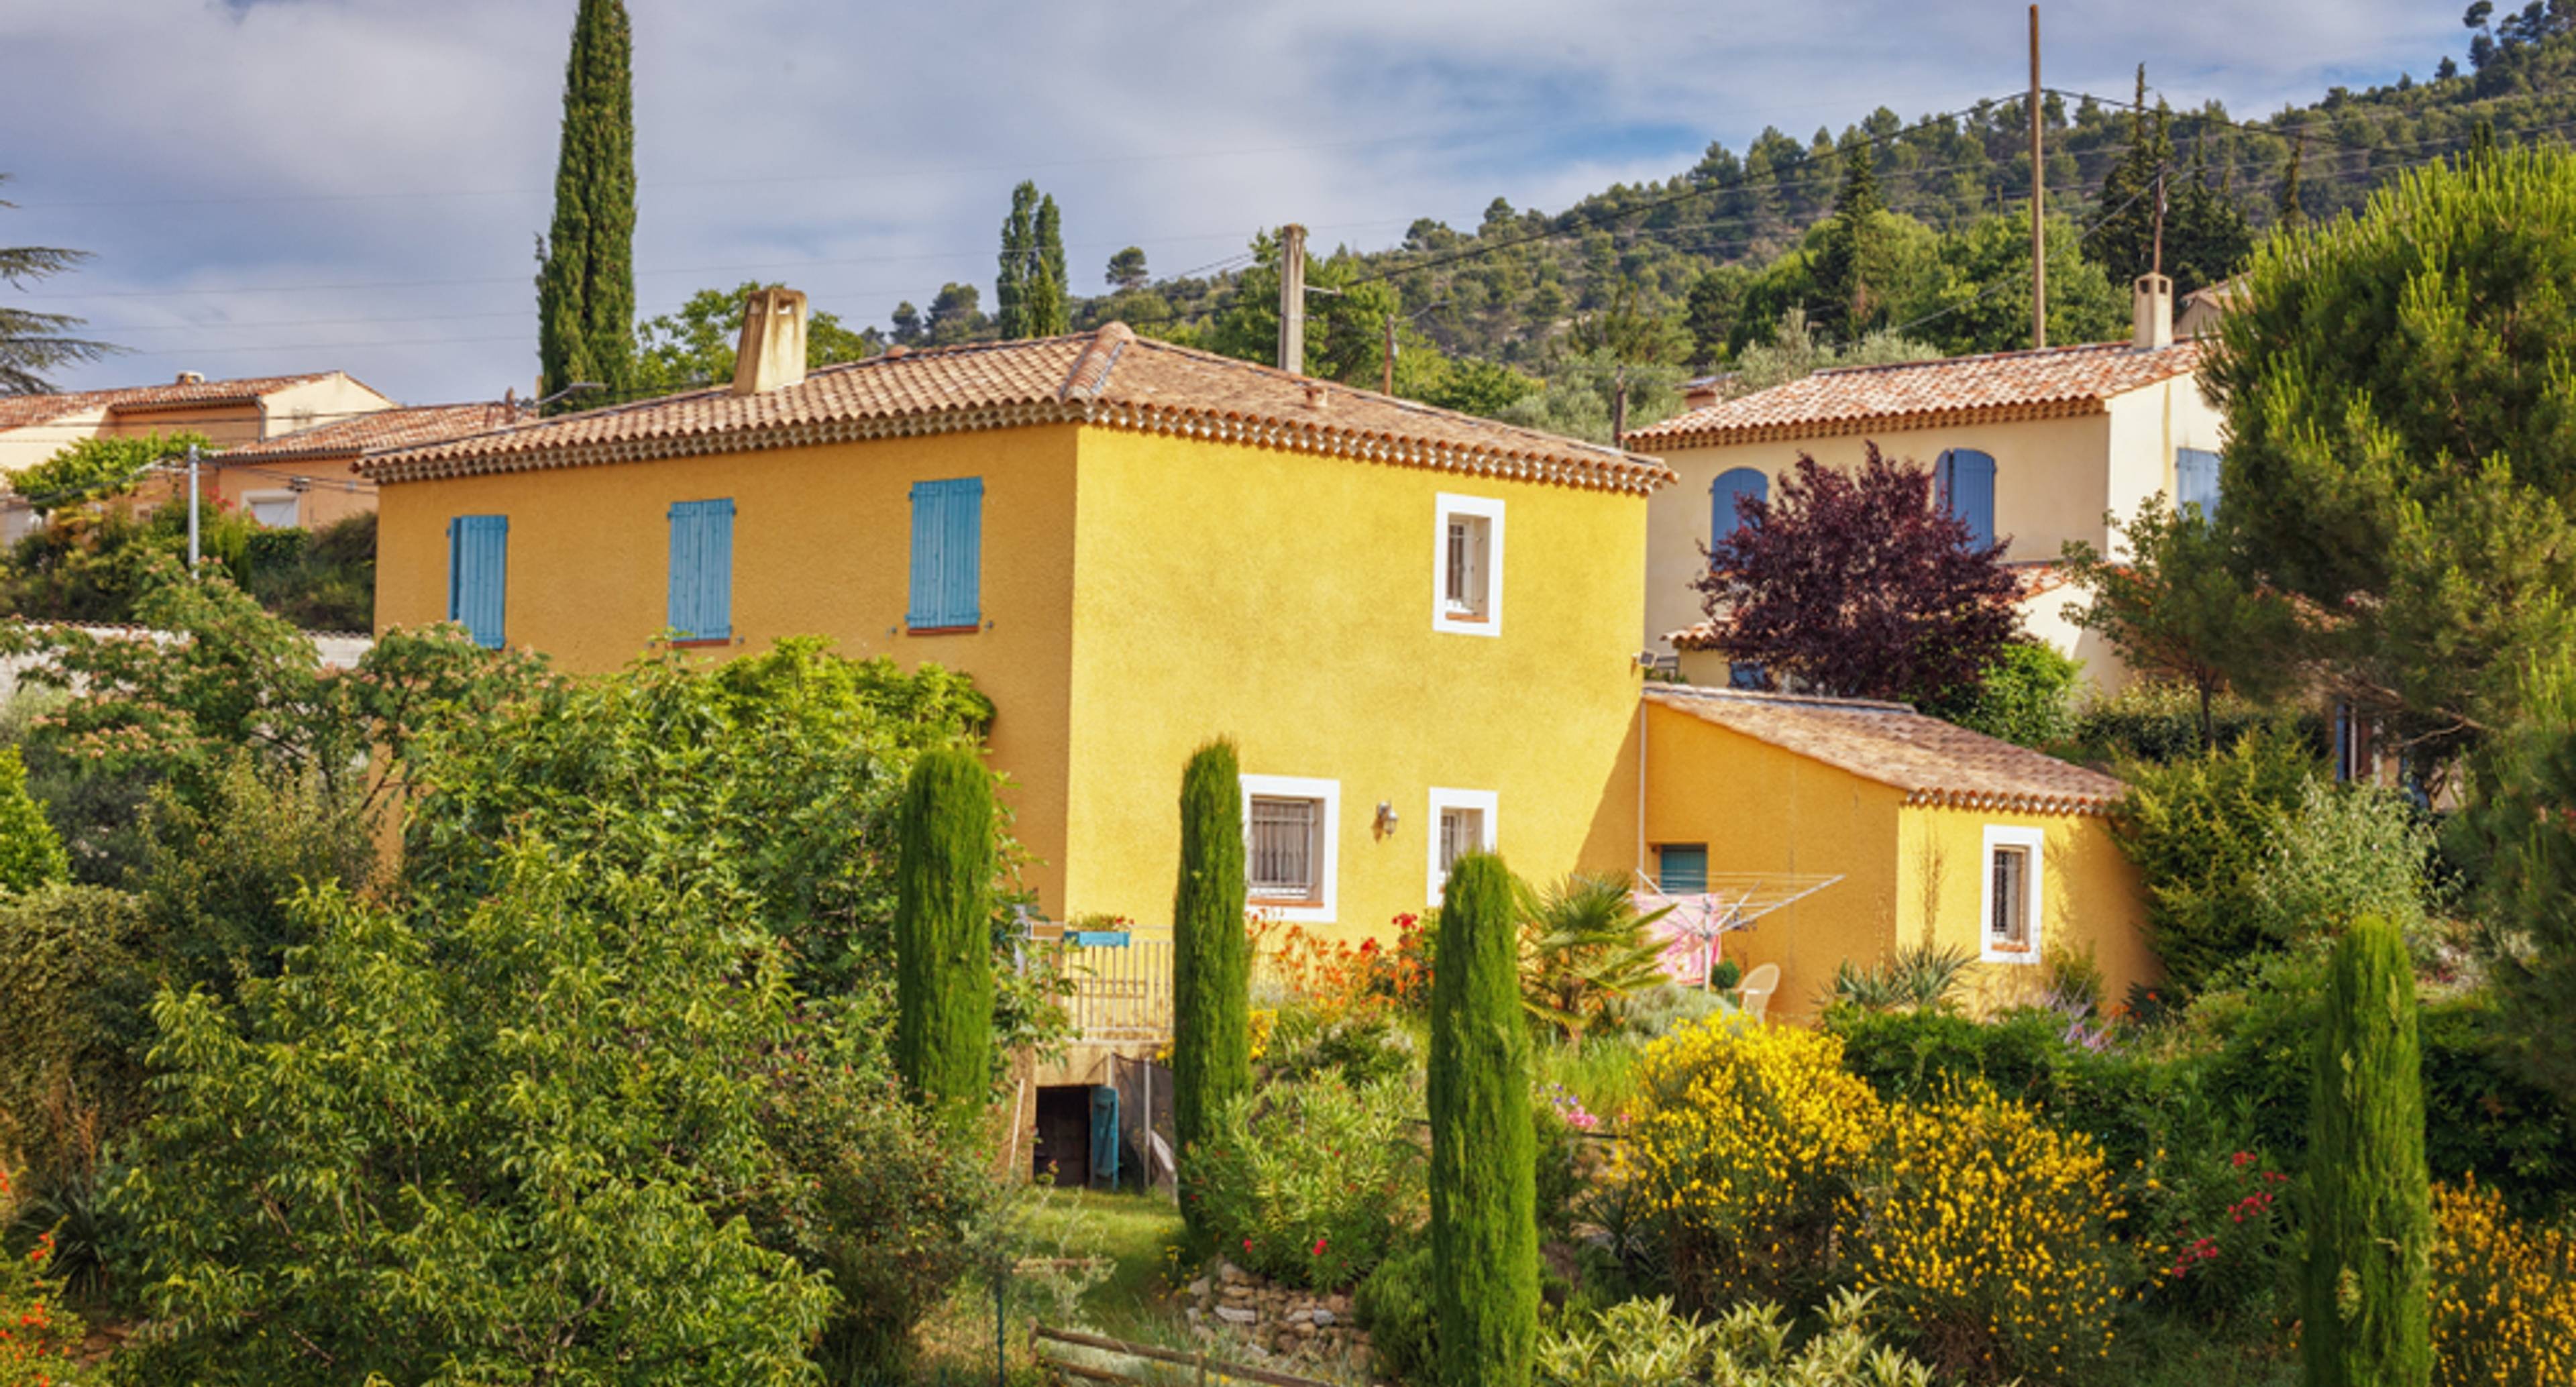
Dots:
(191, 378)
(2152, 313)
(772, 353)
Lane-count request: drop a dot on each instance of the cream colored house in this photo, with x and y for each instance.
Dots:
(2034, 448)
(310, 477)
(228, 412)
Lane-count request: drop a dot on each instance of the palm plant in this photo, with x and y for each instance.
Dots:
(1584, 948)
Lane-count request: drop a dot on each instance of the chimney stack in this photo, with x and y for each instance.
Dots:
(192, 378)
(771, 355)
(2152, 314)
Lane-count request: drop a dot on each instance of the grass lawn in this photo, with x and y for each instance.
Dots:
(1138, 1233)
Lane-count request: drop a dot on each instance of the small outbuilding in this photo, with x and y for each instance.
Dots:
(1930, 832)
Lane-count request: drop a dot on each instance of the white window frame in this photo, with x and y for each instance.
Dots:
(1329, 793)
(1486, 802)
(251, 501)
(2034, 843)
(1490, 510)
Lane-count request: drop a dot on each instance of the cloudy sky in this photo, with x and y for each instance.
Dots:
(283, 185)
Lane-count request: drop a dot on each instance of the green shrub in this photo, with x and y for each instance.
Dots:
(2159, 723)
(1658, 1011)
(2025, 695)
(2370, 1231)
(1644, 1343)
(1397, 1306)
(501, 1143)
(31, 853)
(1484, 1222)
(943, 929)
(40, 1340)
(324, 580)
(73, 1029)
(2201, 833)
(1311, 1183)
(1211, 967)
(1361, 1045)
(1918, 1056)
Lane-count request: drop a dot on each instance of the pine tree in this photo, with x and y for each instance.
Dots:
(32, 344)
(31, 853)
(1011, 283)
(586, 274)
(2123, 242)
(1045, 309)
(2370, 1230)
(1847, 307)
(943, 926)
(1484, 1225)
(2206, 235)
(2524, 818)
(2289, 210)
(1211, 960)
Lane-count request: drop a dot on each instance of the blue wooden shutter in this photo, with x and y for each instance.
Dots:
(1682, 868)
(1966, 480)
(1104, 1137)
(478, 570)
(2196, 481)
(947, 554)
(1723, 517)
(702, 569)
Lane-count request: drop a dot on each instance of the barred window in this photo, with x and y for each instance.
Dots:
(1285, 856)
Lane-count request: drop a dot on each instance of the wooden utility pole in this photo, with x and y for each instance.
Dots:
(1292, 298)
(2156, 266)
(2038, 202)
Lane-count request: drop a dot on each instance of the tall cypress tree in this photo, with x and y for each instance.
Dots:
(586, 265)
(1045, 310)
(1011, 281)
(943, 927)
(2124, 241)
(1211, 961)
(1484, 1201)
(1846, 308)
(2367, 1321)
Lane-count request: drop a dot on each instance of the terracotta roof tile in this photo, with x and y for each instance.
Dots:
(1934, 762)
(1109, 378)
(21, 411)
(403, 426)
(2000, 385)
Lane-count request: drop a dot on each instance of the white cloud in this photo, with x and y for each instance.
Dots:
(864, 152)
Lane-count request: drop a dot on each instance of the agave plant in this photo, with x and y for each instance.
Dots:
(1584, 949)
(1917, 977)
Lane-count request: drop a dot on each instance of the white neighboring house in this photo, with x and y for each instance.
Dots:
(2031, 447)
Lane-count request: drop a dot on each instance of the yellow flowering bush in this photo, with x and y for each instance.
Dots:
(1748, 1137)
(2504, 1295)
(1990, 1232)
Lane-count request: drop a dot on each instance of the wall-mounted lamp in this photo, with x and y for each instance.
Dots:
(1386, 819)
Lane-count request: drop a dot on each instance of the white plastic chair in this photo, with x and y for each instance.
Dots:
(1753, 995)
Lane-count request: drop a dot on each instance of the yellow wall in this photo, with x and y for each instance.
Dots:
(1141, 594)
(1286, 600)
(1763, 809)
(821, 546)
(2091, 900)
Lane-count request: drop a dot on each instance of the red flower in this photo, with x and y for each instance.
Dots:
(1319, 1247)
(1247, 1244)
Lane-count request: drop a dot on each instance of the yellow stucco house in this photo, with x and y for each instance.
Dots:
(228, 412)
(2031, 447)
(1909, 830)
(1419, 627)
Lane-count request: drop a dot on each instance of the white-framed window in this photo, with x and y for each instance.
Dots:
(1467, 566)
(274, 510)
(1458, 822)
(1292, 845)
(2010, 895)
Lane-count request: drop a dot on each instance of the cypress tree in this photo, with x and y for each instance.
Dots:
(1045, 309)
(586, 274)
(1211, 960)
(1011, 279)
(1845, 306)
(943, 929)
(2367, 1321)
(1484, 1201)
(31, 853)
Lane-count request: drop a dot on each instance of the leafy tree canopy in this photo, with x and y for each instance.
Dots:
(695, 347)
(2176, 609)
(90, 468)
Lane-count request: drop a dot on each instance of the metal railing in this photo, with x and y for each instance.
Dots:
(1120, 992)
